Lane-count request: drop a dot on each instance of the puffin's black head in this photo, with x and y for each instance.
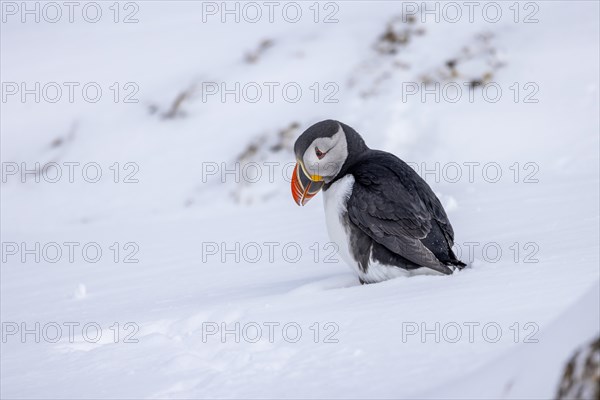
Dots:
(323, 151)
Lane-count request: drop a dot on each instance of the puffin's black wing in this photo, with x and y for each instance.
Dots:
(394, 206)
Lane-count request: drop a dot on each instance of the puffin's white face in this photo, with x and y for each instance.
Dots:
(324, 158)
(321, 162)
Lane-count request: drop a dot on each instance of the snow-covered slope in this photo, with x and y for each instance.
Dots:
(526, 371)
(218, 254)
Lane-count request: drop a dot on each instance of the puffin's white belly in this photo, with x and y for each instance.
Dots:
(335, 200)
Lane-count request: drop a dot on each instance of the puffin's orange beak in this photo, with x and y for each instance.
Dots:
(305, 187)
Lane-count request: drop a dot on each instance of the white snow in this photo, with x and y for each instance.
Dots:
(213, 305)
(80, 292)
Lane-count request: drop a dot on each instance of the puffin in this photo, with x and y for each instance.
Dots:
(383, 217)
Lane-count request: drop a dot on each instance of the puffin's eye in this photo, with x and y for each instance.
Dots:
(319, 153)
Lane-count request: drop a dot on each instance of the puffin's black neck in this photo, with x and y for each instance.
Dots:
(356, 150)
